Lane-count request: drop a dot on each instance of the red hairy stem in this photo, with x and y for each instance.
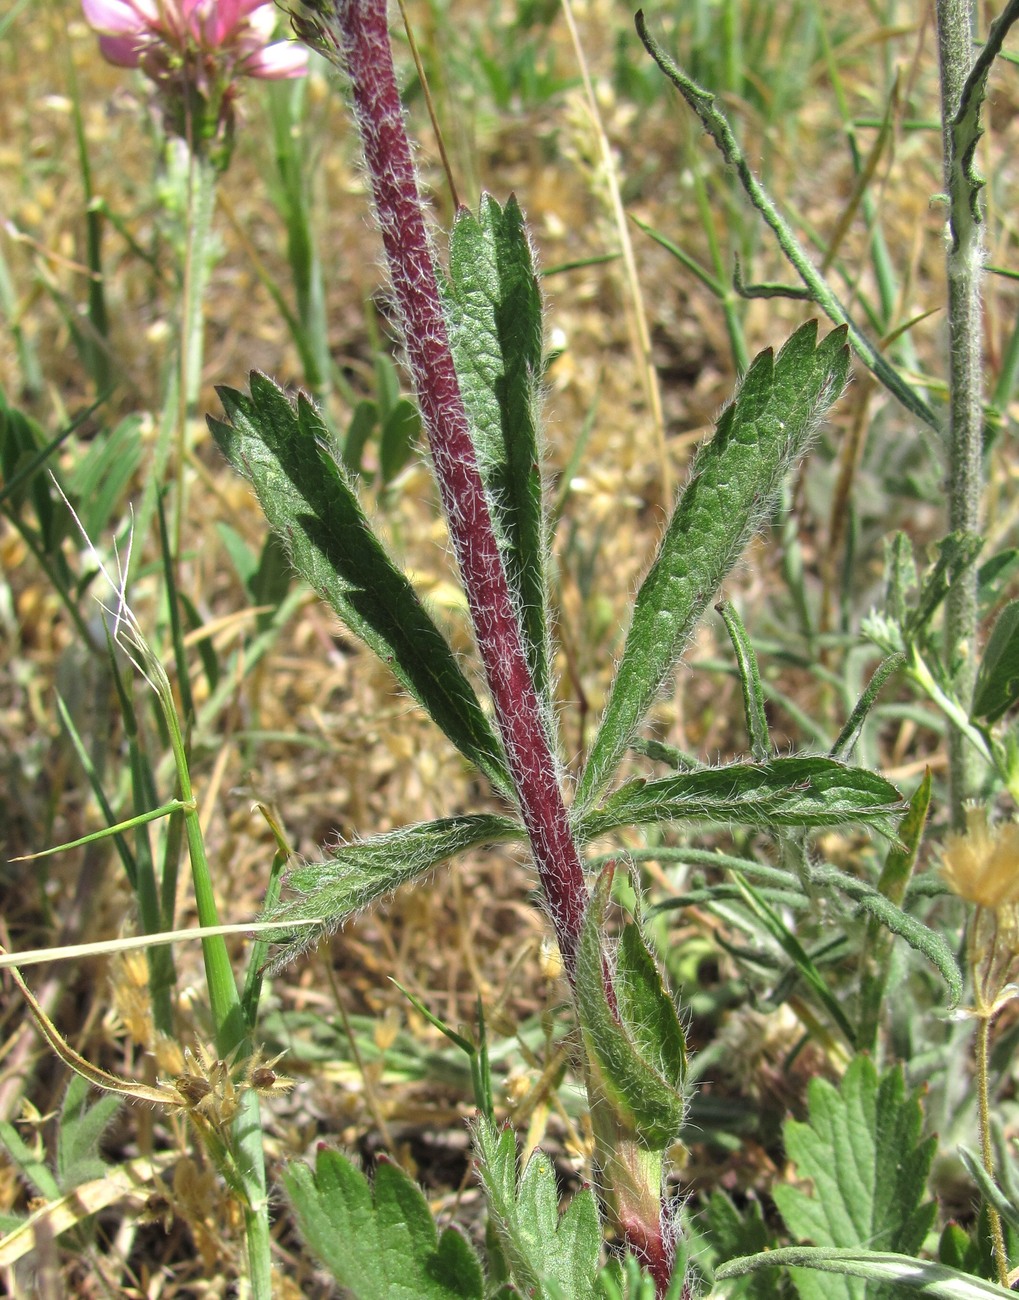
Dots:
(364, 35)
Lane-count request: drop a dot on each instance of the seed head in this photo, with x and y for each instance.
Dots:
(982, 863)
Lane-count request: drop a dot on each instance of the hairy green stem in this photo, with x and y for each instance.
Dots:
(986, 1148)
(965, 470)
(202, 175)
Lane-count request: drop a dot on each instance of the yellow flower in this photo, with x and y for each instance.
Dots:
(982, 864)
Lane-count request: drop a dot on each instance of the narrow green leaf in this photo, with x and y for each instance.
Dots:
(803, 963)
(997, 685)
(364, 871)
(396, 442)
(989, 1189)
(493, 310)
(383, 1246)
(310, 501)
(926, 941)
(994, 574)
(31, 1163)
(900, 576)
(359, 430)
(895, 876)
(636, 1052)
(901, 1272)
(809, 791)
(862, 1150)
(549, 1254)
(847, 737)
(733, 485)
(956, 553)
(901, 859)
(750, 681)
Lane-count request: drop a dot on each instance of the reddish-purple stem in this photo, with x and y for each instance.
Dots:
(368, 58)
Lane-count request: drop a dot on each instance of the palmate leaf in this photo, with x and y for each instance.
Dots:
(552, 1256)
(309, 500)
(379, 1243)
(359, 873)
(862, 1150)
(493, 313)
(733, 484)
(808, 791)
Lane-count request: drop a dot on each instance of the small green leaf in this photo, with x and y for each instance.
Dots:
(997, 685)
(862, 1150)
(734, 483)
(783, 792)
(888, 1274)
(750, 681)
(636, 1050)
(383, 1246)
(493, 311)
(854, 723)
(991, 1192)
(81, 1129)
(994, 575)
(310, 501)
(366, 870)
(550, 1254)
(895, 876)
(900, 577)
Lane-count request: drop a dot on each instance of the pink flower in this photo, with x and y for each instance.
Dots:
(235, 35)
(194, 50)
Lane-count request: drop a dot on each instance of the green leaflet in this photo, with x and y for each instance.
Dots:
(364, 871)
(900, 1272)
(310, 501)
(493, 313)
(381, 1246)
(637, 1051)
(997, 684)
(733, 485)
(862, 1150)
(550, 1254)
(809, 791)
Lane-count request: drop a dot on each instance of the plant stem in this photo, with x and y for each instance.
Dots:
(360, 32)
(986, 1149)
(965, 469)
(202, 174)
(232, 1036)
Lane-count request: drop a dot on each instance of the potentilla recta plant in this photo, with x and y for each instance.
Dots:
(474, 345)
